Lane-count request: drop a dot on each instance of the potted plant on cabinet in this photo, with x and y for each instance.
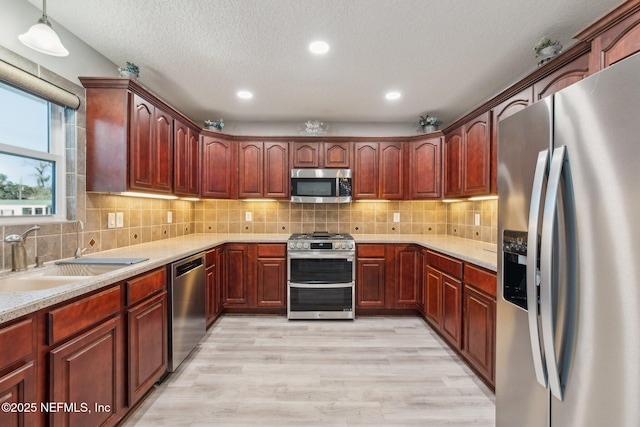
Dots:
(428, 124)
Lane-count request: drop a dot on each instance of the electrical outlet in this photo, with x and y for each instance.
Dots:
(169, 217)
(119, 219)
(248, 216)
(111, 220)
(476, 219)
(396, 217)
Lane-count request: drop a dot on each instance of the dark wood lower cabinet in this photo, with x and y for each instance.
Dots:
(271, 275)
(86, 373)
(479, 331)
(148, 347)
(370, 276)
(407, 274)
(19, 387)
(213, 291)
(236, 276)
(433, 297)
(452, 310)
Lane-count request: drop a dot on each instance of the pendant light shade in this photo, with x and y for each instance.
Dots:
(42, 38)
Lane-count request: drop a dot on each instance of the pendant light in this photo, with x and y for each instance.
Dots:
(42, 38)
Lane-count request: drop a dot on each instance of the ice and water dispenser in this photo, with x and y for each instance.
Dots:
(514, 248)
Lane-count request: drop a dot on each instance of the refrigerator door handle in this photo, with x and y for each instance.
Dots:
(533, 278)
(560, 173)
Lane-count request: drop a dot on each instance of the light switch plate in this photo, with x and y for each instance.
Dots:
(476, 219)
(119, 219)
(248, 216)
(396, 217)
(111, 220)
(169, 217)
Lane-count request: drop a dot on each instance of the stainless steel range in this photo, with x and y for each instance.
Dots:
(321, 276)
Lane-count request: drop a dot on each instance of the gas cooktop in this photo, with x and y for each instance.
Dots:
(321, 240)
(321, 235)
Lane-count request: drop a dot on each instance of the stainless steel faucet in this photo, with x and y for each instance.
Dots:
(79, 250)
(18, 252)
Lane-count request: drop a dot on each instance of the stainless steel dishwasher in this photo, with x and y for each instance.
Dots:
(187, 319)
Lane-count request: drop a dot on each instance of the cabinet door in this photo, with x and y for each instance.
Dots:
(19, 387)
(276, 170)
(479, 331)
(88, 369)
(181, 158)
(271, 282)
(250, 169)
(391, 171)
(370, 283)
(453, 147)
(306, 154)
(425, 159)
(433, 297)
(336, 155)
(616, 42)
(186, 155)
(163, 151)
(452, 310)
(507, 108)
(477, 156)
(421, 281)
(569, 74)
(407, 273)
(236, 279)
(219, 168)
(147, 350)
(365, 180)
(141, 146)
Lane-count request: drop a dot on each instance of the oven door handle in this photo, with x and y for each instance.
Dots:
(321, 285)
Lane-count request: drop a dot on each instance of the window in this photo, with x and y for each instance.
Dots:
(31, 155)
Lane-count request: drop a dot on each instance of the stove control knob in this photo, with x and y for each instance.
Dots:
(292, 245)
(299, 245)
(350, 246)
(343, 245)
(305, 245)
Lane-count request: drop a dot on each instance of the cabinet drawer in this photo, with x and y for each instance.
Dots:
(16, 342)
(72, 318)
(451, 266)
(271, 250)
(481, 279)
(143, 286)
(370, 251)
(211, 257)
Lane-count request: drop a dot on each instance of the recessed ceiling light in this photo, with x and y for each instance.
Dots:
(244, 94)
(319, 47)
(393, 95)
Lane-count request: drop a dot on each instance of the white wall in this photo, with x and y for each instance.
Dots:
(16, 16)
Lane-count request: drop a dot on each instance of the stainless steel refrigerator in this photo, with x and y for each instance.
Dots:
(568, 312)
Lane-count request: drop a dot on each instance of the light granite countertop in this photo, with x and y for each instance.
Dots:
(14, 304)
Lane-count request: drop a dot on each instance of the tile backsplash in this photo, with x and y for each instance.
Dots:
(145, 220)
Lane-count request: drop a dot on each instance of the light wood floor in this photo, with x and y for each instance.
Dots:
(268, 371)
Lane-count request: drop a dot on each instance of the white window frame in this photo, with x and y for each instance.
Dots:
(56, 155)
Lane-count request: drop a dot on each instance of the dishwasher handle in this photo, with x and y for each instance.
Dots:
(185, 268)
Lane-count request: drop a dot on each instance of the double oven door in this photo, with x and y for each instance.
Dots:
(321, 285)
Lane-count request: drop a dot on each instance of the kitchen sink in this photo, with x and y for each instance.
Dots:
(52, 277)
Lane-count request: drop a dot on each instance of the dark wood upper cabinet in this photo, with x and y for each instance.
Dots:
(468, 158)
(306, 154)
(250, 169)
(569, 74)
(511, 106)
(425, 173)
(186, 156)
(378, 170)
(130, 138)
(320, 154)
(336, 154)
(365, 174)
(453, 147)
(263, 170)
(219, 168)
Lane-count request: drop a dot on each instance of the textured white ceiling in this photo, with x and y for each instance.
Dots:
(445, 56)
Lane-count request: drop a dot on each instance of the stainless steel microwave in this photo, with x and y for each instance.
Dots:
(321, 185)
